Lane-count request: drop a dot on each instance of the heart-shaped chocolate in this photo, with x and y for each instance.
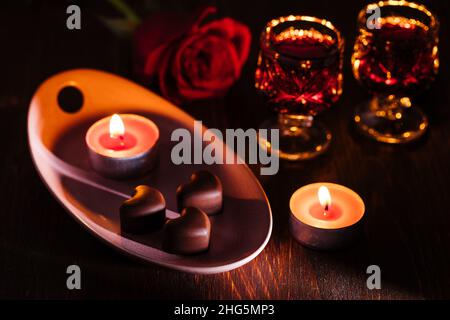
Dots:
(145, 211)
(203, 191)
(187, 234)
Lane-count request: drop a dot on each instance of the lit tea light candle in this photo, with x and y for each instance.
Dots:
(325, 215)
(122, 146)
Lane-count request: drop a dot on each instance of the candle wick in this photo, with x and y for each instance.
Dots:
(325, 212)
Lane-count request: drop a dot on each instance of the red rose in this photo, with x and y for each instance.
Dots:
(189, 58)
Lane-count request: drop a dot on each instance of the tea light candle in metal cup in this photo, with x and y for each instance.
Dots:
(122, 146)
(326, 216)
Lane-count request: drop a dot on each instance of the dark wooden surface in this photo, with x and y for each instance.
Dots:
(406, 188)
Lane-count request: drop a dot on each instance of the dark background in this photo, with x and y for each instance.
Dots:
(405, 188)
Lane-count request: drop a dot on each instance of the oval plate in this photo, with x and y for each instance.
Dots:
(58, 149)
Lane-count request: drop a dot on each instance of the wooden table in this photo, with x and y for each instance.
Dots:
(406, 188)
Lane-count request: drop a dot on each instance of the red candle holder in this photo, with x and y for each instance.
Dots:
(394, 57)
(300, 72)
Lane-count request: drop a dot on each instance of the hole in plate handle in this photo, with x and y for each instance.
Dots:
(70, 99)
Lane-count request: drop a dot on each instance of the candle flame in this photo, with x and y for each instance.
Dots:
(116, 126)
(324, 197)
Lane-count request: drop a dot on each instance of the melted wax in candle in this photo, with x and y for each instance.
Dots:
(125, 142)
(319, 212)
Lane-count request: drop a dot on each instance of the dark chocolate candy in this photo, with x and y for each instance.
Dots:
(203, 191)
(145, 211)
(187, 234)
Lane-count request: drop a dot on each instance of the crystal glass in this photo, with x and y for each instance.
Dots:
(300, 72)
(395, 56)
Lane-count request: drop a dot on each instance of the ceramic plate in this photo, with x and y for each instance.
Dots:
(57, 142)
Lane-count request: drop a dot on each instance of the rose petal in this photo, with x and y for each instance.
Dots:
(191, 57)
(166, 83)
(165, 27)
(223, 67)
(210, 83)
(161, 29)
(234, 31)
